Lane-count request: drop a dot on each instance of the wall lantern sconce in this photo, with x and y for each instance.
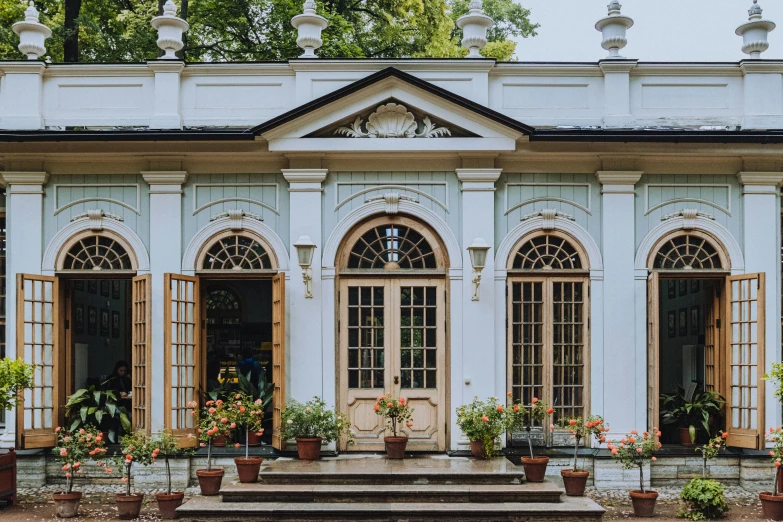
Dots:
(478, 258)
(304, 251)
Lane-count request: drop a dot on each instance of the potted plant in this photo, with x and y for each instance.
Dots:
(15, 376)
(312, 424)
(482, 423)
(527, 417)
(166, 445)
(704, 496)
(73, 448)
(396, 412)
(260, 390)
(575, 479)
(210, 426)
(633, 452)
(246, 414)
(690, 412)
(772, 502)
(99, 408)
(138, 449)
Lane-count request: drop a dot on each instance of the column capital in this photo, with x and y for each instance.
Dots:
(23, 178)
(617, 65)
(165, 181)
(305, 180)
(619, 177)
(478, 180)
(766, 179)
(166, 66)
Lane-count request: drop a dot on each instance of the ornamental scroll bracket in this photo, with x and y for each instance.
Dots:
(392, 200)
(549, 215)
(236, 215)
(392, 120)
(96, 217)
(689, 216)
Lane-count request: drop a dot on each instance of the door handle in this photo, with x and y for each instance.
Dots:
(396, 379)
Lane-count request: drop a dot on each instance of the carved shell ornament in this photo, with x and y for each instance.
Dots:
(392, 121)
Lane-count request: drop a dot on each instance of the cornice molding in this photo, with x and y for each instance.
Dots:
(24, 178)
(304, 175)
(331, 66)
(761, 66)
(687, 69)
(166, 66)
(770, 179)
(163, 177)
(89, 69)
(620, 177)
(547, 69)
(31, 67)
(617, 66)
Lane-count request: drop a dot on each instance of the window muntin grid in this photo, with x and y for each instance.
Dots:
(391, 247)
(97, 252)
(236, 252)
(184, 385)
(527, 340)
(568, 349)
(687, 252)
(38, 346)
(366, 337)
(547, 252)
(223, 307)
(744, 355)
(418, 337)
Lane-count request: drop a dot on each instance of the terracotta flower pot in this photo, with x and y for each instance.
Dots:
(477, 449)
(219, 441)
(685, 437)
(253, 439)
(209, 481)
(66, 505)
(309, 448)
(395, 447)
(129, 506)
(574, 482)
(643, 503)
(771, 505)
(247, 468)
(535, 468)
(168, 504)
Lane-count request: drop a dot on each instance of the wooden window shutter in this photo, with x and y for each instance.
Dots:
(37, 342)
(653, 331)
(278, 358)
(142, 343)
(745, 361)
(182, 332)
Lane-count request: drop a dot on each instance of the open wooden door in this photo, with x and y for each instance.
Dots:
(141, 345)
(653, 331)
(278, 358)
(745, 361)
(37, 342)
(183, 354)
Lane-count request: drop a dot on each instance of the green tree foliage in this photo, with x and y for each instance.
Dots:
(260, 30)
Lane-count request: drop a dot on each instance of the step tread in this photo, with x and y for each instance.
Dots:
(531, 488)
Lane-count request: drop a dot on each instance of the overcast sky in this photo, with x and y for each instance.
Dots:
(664, 30)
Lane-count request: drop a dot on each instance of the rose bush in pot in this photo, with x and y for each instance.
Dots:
(166, 446)
(210, 426)
(634, 452)
(396, 412)
(313, 424)
(575, 479)
(772, 502)
(73, 448)
(246, 414)
(136, 449)
(483, 422)
(527, 417)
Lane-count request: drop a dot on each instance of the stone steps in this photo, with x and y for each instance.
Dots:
(419, 477)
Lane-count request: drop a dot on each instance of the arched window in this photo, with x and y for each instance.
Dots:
(548, 251)
(97, 252)
(392, 247)
(223, 307)
(236, 252)
(691, 251)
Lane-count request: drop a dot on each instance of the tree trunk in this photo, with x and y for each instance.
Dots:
(71, 26)
(183, 13)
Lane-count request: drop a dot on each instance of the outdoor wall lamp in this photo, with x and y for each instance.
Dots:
(478, 258)
(304, 251)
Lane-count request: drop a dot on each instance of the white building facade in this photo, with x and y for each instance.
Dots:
(162, 213)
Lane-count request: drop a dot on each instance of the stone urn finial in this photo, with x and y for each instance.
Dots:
(474, 27)
(170, 28)
(309, 24)
(754, 33)
(613, 28)
(32, 33)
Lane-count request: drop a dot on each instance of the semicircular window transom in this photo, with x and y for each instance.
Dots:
(97, 253)
(687, 252)
(547, 252)
(237, 252)
(392, 247)
(223, 307)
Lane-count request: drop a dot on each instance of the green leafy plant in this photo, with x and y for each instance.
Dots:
(15, 376)
(483, 421)
(633, 451)
(166, 445)
(580, 429)
(704, 498)
(312, 420)
(259, 390)
(75, 447)
(395, 411)
(136, 448)
(710, 450)
(94, 407)
(527, 416)
(677, 409)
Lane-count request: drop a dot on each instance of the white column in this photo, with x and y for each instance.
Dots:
(311, 362)
(617, 91)
(761, 234)
(166, 112)
(21, 98)
(624, 359)
(763, 94)
(483, 360)
(165, 257)
(24, 248)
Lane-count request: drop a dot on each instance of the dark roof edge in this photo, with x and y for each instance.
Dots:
(657, 136)
(381, 75)
(124, 135)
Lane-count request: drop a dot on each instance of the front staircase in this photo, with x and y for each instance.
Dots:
(374, 489)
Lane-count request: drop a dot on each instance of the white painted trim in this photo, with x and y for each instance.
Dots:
(332, 245)
(280, 252)
(709, 226)
(61, 238)
(564, 225)
(726, 210)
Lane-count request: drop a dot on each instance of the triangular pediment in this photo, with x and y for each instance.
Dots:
(398, 112)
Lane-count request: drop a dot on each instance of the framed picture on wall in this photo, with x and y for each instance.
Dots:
(78, 318)
(695, 320)
(104, 322)
(92, 286)
(683, 283)
(683, 324)
(79, 284)
(92, 320)
(105, 287)
(115, 289)
(672, 324)
(695, 285)
(671, 289)
(115, 324)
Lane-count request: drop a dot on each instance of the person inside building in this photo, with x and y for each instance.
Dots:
(120, 383)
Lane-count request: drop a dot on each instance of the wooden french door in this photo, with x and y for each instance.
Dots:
(393, 339)
(141, 342)
(278, 357)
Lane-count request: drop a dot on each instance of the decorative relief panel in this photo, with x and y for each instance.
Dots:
(346, 191)
(520, 194)
(657, 195)
(265, 195)
(392, 120)
(127, 195)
